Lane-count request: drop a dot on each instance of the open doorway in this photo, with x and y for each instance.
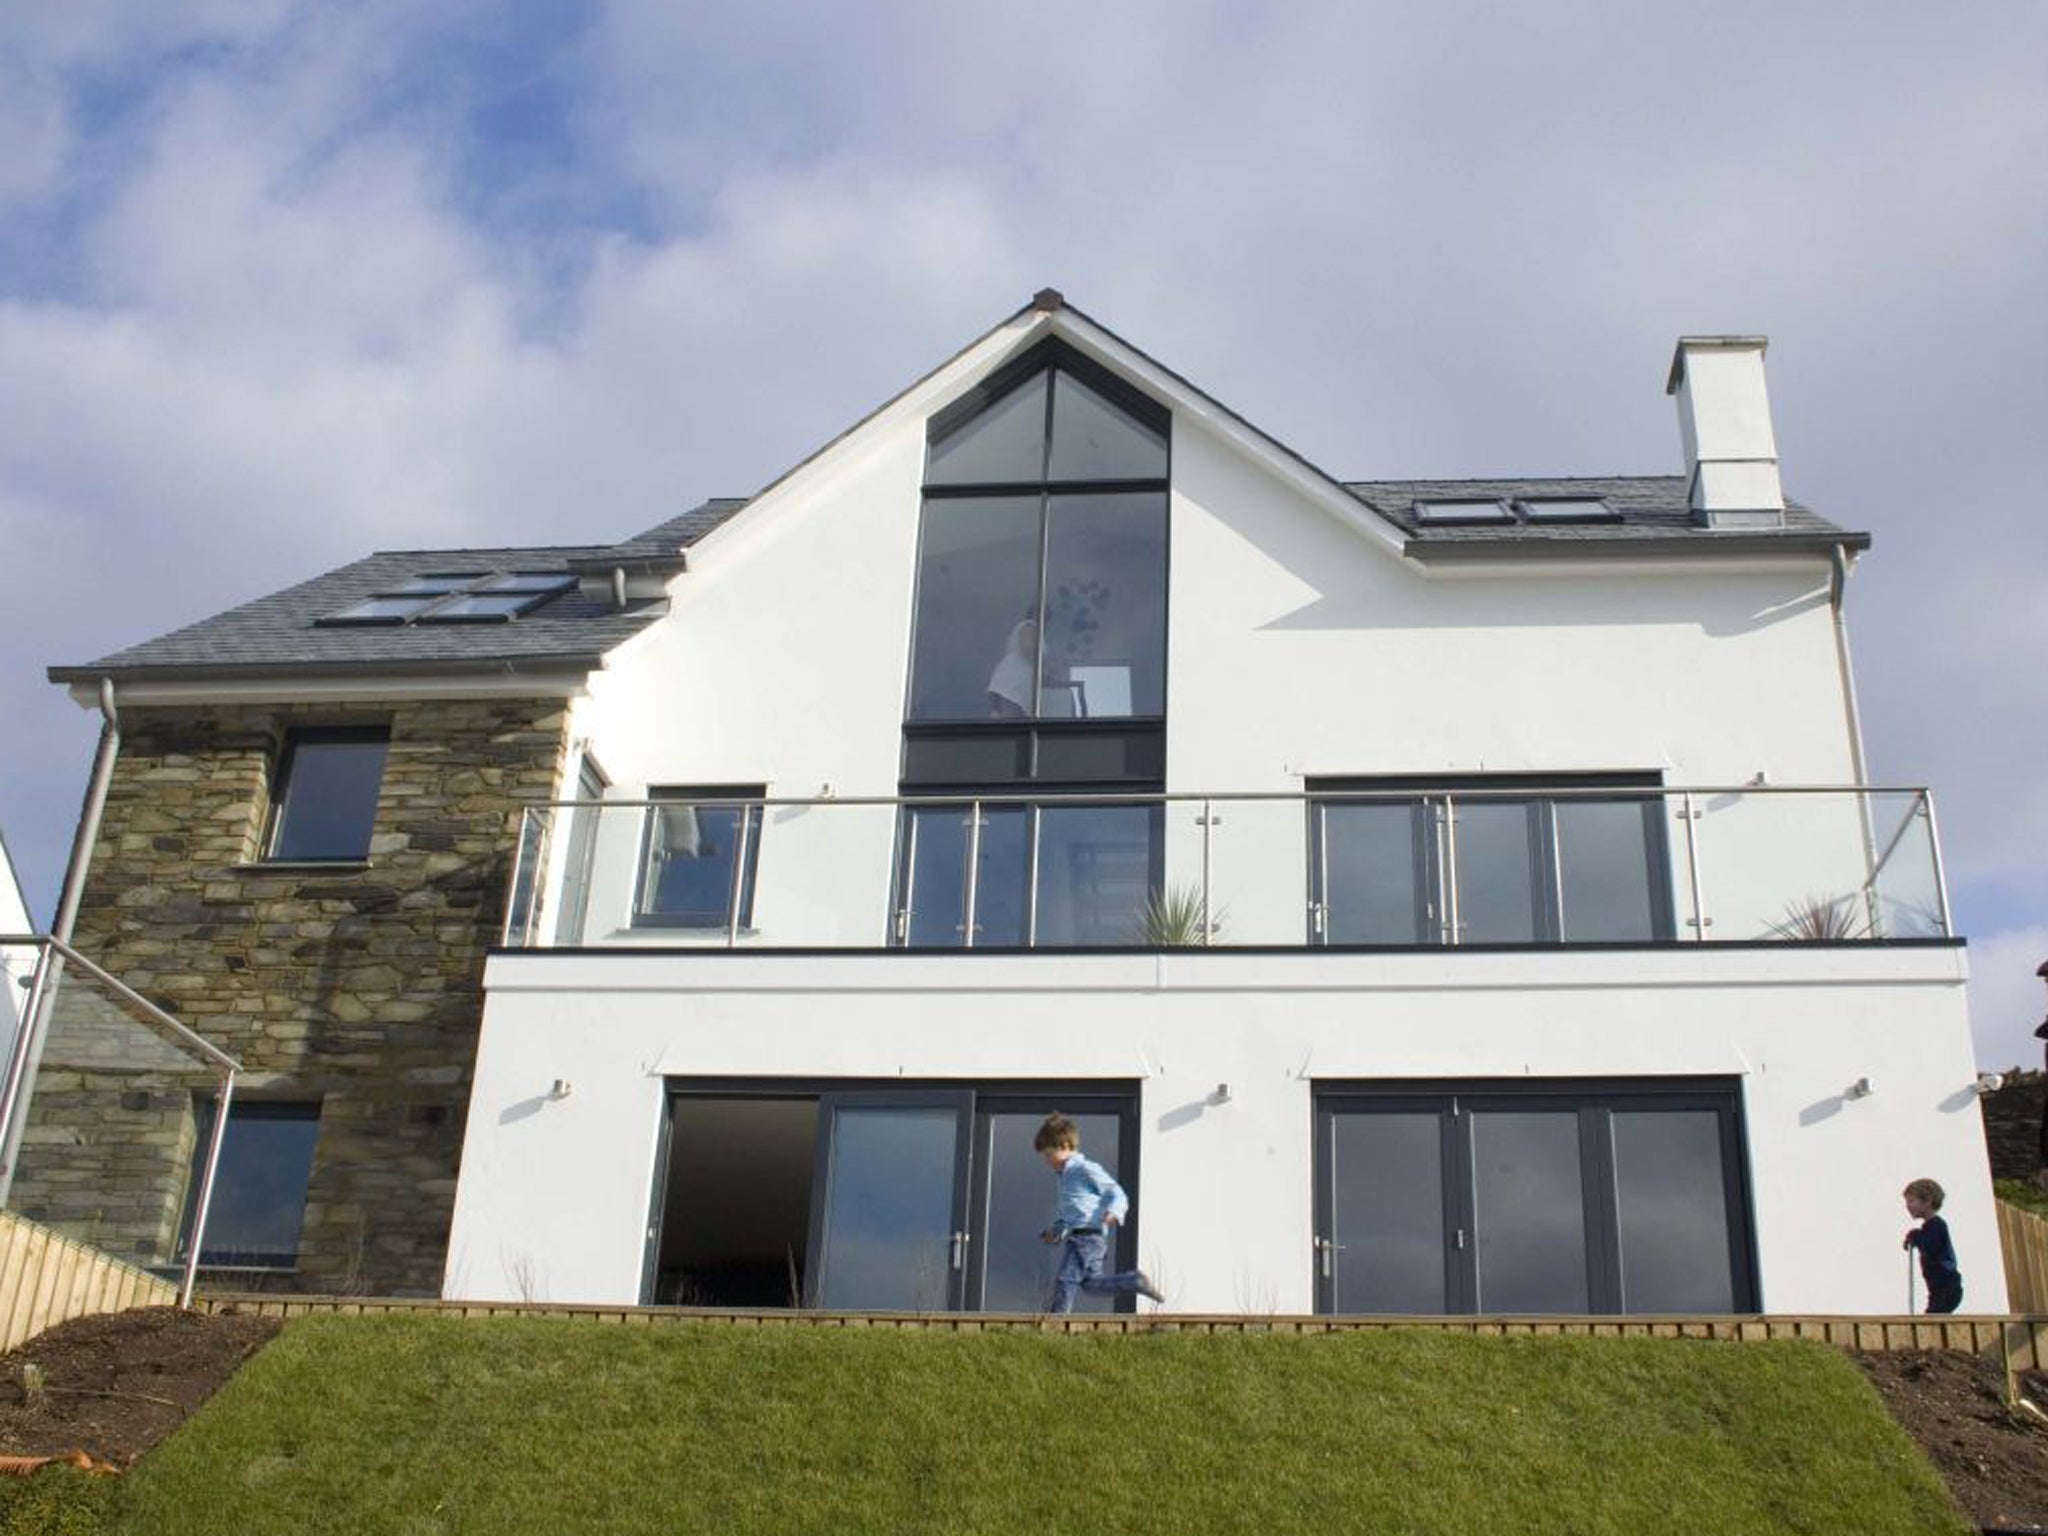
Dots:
(736, 1203)
(898, 1195)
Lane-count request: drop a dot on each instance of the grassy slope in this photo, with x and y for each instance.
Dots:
(417, 1425)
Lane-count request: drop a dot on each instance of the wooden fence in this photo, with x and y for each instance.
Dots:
(46, 1279)
(2023, 1238)
(2021, 1343)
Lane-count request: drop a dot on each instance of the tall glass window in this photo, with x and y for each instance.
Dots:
(1041, 591)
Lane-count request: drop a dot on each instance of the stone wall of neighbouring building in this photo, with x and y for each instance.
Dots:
(358, 986)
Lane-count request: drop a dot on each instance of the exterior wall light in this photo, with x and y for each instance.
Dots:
(561, 1089)
(1860, 1089)
(1221, 1095)
(1989, 1083)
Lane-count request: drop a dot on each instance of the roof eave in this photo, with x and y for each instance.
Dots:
(1686, 546)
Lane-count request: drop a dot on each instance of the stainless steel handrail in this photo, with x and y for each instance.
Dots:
(14, 1094)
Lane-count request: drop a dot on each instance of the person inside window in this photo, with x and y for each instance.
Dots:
(1009, 685)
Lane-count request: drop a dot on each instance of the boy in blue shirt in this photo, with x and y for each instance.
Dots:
(1937, 1253)
(1091, 1206)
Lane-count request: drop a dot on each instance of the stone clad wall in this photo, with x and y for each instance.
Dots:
(356, 985)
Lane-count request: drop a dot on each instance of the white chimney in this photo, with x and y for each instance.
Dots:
(1724, 416)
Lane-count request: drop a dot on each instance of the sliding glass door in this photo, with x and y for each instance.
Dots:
(1599, 1197)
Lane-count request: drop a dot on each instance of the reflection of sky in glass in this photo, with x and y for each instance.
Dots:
(259, 1192)
(1674, 1214)
(1529, 1217)
(1604, 870)
(1369, 873)
(1496, 882)
(1022, 1196)
(889, 1208)
(1387, 1198)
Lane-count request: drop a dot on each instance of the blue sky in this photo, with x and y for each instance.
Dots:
(281, 283)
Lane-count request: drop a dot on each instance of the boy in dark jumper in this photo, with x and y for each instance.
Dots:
(1937, 1252)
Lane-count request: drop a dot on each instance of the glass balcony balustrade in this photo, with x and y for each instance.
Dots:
(1367, 870)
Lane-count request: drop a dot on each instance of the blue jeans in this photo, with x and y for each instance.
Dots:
(1082, 1257)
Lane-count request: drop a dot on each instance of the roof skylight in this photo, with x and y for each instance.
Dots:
(1567, 509)
(1490, 509)
(456, 598)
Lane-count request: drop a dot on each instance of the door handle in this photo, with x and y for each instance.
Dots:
(1326, 1252)
(960, 1241)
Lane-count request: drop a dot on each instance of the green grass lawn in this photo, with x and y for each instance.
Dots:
(426, 1425)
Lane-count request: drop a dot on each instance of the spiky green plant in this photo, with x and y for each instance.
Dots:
(1173, 919)
(1822, 917)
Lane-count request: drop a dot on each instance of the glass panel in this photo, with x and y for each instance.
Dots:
(1094, 440)
(1020, 1196)
(1606, 869)
(1496, 872)
(975, 639)
(938, 888)
(1373, 873)
(1462, 512)
(1908, 903)
(531, 581)
(373, 610)
(1003, 445)
(1672, 1191)
(1528, 1212)
(1564, 509)
(1100, 757)
(330, 799)
(1387, 1211)
(259, 1193)
(690, 854)
(1095, 870)
(888, 1219)
(1784, 866)
(1105, 596)
(974, 759)
(486, 605)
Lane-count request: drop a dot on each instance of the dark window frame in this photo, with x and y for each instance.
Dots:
(902, 888)
(205, 1107)
(283, 776)
(747, 799)
(1537, 793)
(1049, 356)
(431, 606)
(1592, 1099)
(995, 1095)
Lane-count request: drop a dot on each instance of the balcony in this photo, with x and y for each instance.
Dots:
(1407, 868)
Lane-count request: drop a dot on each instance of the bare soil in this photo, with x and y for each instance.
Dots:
(114, 1386)
(1993, 1457)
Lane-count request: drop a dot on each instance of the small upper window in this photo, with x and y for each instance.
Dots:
(1464, 510)
(326, 798)
(1567, 509)
(462, 597)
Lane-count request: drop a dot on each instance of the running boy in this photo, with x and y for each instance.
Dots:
(1091, 1206)
(1937, 1253)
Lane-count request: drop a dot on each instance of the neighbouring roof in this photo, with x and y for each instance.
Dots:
(1648, 509)
(282, 633)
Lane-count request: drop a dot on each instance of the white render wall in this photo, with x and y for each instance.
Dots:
(555, 1194)
(15, 964)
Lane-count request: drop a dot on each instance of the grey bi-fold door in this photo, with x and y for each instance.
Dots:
(1594, 1197)
(869, 1195)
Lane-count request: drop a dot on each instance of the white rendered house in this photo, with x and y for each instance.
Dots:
(17, 962)
(1432, 896)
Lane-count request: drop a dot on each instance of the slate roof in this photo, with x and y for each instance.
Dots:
(1652, 508)
(281, 633)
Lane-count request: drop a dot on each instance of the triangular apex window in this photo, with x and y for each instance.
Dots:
(1041, 583)
(1055, 418)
